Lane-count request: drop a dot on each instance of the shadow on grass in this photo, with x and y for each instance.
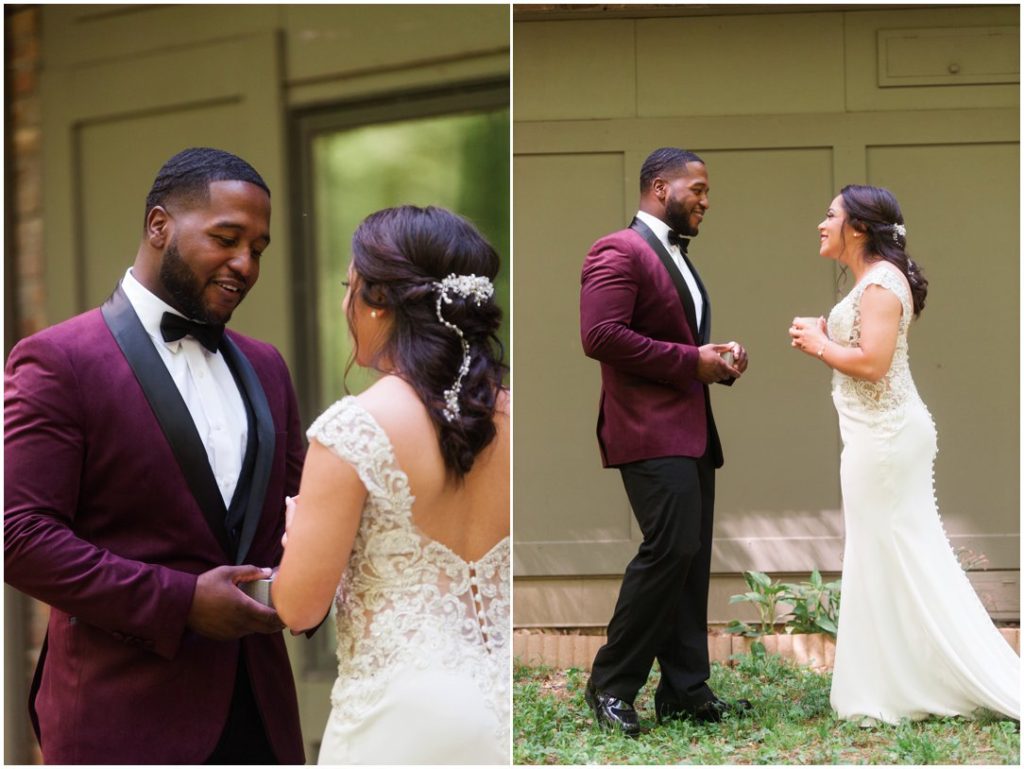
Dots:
(791, 723)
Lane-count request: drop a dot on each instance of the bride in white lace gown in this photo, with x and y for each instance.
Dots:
(914, 639)
(403, 512)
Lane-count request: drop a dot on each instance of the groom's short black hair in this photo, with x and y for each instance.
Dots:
(187, 176)
(663, 160)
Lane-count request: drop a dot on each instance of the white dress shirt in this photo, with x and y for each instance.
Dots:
(661, 230)
(206, 385)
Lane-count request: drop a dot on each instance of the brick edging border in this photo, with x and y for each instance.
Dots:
(562, 651)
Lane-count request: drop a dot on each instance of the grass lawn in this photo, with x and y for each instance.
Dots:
(792, 723)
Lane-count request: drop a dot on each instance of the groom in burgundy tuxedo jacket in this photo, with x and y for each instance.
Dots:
(645, 315)
(148, 454)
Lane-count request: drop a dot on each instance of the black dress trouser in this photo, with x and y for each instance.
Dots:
(661, 612)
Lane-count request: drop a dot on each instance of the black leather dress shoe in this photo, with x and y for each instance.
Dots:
(611, 712)
(711, 711)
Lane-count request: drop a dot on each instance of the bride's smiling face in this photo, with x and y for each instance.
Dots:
(837, 239)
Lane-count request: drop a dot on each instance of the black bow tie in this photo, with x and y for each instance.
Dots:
(675, 239)
(174, 327)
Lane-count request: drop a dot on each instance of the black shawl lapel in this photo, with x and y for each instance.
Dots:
(169, 408)
(245, 375)
(677, 277)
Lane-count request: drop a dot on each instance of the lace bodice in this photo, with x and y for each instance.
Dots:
(881, 401)
(406, 599)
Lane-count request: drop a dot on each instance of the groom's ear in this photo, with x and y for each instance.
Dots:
(158, 224)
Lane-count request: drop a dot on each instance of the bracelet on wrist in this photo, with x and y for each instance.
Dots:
(821, 350)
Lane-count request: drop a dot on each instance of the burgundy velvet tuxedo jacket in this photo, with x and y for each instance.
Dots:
(109, 518)
(637, 319)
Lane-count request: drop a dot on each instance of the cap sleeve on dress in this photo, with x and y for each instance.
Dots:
(351, 433)
(890, 281)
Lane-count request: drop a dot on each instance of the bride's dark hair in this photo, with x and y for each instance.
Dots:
(874, 212)
(399, 255)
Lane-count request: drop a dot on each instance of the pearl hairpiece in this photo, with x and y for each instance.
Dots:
(899, 231)
(480, 288)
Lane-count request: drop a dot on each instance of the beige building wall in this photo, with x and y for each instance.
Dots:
(786, 105)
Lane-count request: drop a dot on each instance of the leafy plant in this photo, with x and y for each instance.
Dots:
(815, 605)
(970, 560)
(765, 595)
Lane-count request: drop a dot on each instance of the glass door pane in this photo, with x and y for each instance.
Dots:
(456, 161)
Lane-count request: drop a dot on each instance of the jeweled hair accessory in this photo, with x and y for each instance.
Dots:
(899, 231)
(480, 288)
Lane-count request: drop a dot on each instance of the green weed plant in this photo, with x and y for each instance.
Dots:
(815, 605)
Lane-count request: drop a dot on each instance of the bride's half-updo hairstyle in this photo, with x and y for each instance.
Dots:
(399, 256)
(874, 212)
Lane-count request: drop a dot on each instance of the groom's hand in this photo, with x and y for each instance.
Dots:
(740, 356)
(223, 612)
(711, 366)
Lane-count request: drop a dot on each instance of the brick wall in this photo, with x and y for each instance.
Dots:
(23, 62)
(24, 246)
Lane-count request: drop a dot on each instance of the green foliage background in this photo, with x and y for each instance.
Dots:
(459, 162)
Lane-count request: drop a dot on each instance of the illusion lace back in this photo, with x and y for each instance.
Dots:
(914, 639)
(423, 635)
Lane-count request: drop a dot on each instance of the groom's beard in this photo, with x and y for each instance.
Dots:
(678, 217)
(186, 288)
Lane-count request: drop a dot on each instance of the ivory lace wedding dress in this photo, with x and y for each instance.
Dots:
(423, 636)
(914, 639)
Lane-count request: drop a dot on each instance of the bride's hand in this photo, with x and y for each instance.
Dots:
(808, 334)
(289, 514)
